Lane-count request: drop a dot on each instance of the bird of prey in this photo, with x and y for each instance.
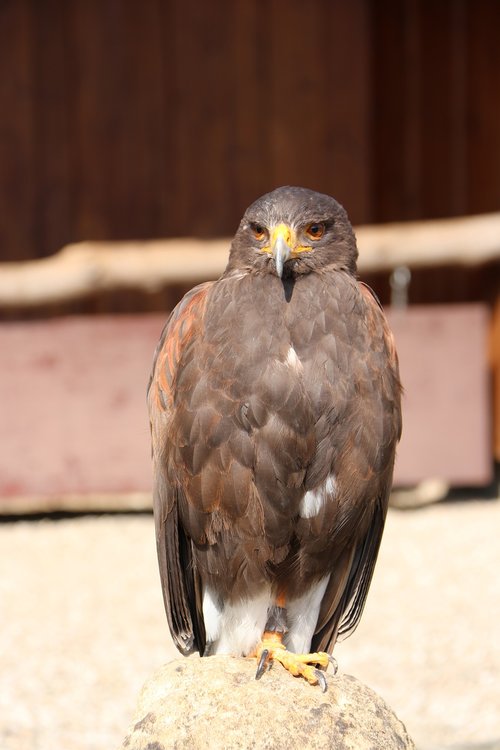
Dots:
(274, 405)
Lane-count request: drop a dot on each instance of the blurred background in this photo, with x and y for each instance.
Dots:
(132, 138)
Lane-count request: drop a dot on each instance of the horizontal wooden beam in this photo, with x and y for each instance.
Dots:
(462, 241)
(84, 502)
(85, 268)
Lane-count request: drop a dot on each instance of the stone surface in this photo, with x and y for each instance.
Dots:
(216, 702)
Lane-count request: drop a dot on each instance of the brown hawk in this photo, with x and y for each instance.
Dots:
(275, 413)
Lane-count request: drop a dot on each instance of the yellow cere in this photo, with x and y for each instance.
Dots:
(288, 235)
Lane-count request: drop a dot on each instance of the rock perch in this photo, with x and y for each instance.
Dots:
(216, 702)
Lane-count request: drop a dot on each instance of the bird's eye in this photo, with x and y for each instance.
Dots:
(259, 231)
(315, 231)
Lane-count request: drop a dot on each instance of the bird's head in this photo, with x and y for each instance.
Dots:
(293, 231)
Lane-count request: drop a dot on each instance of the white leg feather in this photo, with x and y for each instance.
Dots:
(302, 617)
(211, 615)
(240, 625)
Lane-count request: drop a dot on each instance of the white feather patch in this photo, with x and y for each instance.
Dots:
(292, 359)
(302, 616)
(313, 500)
(311, 503)
(330, 484)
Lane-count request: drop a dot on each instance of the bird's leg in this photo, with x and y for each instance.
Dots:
(271, 648)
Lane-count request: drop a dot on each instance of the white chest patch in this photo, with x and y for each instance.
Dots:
(313, 501)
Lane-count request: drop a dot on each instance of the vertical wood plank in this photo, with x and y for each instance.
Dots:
(203, 135)
(51, 96)
(116, 118)
(436, 113)
(443, 109)
(295, 110)
(250, 101)
(165, 156)
(149, 151)
(390, 193)
(413, 110)
(346, 93)
(483, 87)
(18, 177)
(458, 95)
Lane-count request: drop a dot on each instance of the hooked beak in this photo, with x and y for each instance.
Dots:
(281, 246)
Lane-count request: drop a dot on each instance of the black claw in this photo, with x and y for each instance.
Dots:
(261, 668)
(321, 680)
(334, 664)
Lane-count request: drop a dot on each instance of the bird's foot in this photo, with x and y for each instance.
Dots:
(271, 649)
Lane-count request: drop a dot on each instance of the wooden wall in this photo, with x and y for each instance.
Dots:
(125, 119)
(436, 124)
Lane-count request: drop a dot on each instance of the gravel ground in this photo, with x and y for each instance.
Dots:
(82, 627)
